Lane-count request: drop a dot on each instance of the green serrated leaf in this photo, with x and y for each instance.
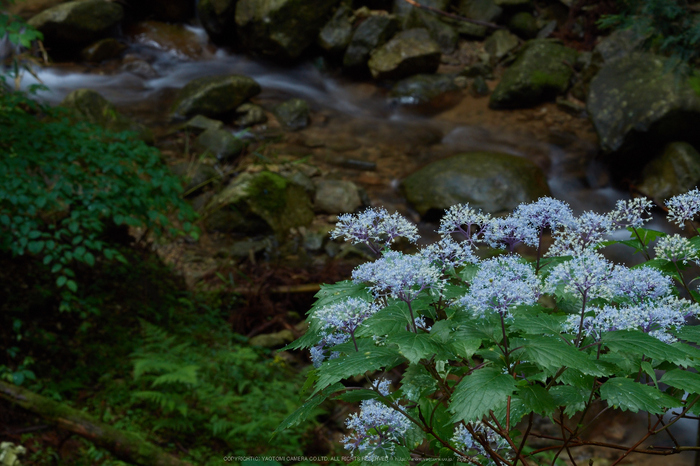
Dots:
(480, 392)
(308, 408)
(355, 396)
(639, 343)
(627, 394)
(353, 364)
(552, 353)
(574, 399)
(685, 380)
(539, 324)
(538, 400)
(414, 347)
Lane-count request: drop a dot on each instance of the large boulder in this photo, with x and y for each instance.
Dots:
(637, 105)
(218, 18)
(337, 197)
(89, 105)
(423, 88)
(281, 28)
(214, 95)
(259, 203)
(490, 181)
(78, 23)
(542, 70)
(480, 10)
(370, 34)
(407, 53)
(676, 171)
(221, 144)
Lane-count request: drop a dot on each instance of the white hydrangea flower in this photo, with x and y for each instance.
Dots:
(675, 248)
(463, 219)
(684, 207)
(631, 213)
(584, 234)
(588, 274)
(375, 425)
(374, 227)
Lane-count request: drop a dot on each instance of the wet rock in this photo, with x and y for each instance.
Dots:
(201, 123)
(635, 103)
(422, 88)
(490, 181)
(480, 10)
(337, 197)
(542, 70)
(221, 144)
(676, 171)
(370, 34)
(139, 67)
(479, 69)
(250, 115)
(283, 28)
(293, 114)
(259, 203)
(196, 175)
(335, 36)
(102, 50)
(407, 53)
(524, 25)
(218, 18)
(173, 38)
(91, 106)
(214, 95)
(77, 23)
(403, 9)
(441, 32)
(479, 88)
(500, 43)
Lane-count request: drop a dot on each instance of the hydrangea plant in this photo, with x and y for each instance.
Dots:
(478, 340)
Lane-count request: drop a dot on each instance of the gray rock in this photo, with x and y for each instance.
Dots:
(335, 36)
(635, 100)
(524, 25)
(403, 9)
(250, 115)
(91, 106)
(493, 182)
(422, 88)
(221, 144)
(408, 53)
(281, 28)
(79, 22)
(104, 49)
(370, 34)
(440, 30)
(675, 172)
(259, 203)
(479, 88)
(214, 95)
(200, 123)
(336, 197)
(542, 70)
(218, 18)
(196, 175)
(293, 114)
(481, 10)
(500, 43)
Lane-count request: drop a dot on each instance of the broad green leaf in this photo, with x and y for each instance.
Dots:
(552, 353)
(574, 399)
(418, 379)
(354, 396)
(638, 343)
(71, 285)
(480, 392)
(308, 408)
(415, 347)
(685, 380)
(538, 400)
(60, 281)
(353, 364)
(689, 333)
(387, 321)
(35, 246)
(329, 294)
(627, 394)
(540, 324)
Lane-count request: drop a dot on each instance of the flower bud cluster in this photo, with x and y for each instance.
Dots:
(375, 425)
(374, 227)
(684, 207)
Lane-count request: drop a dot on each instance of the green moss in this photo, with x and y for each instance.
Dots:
(267, 191)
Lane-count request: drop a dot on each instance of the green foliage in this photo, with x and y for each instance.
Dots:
(64, 183)
(227, 391)
(668, 26)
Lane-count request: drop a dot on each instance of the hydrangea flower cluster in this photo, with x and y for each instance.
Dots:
(464, 441)
(399, 275)
(502, 282)
(449, 253)
(675, 248)
(631, 213)
(545, 214)
(684, 207)
(375, 425)
(374, 227)
(508, 232)
(338, 323)
(588, 274)
(463, 219)
(585, 234)
(641, 284)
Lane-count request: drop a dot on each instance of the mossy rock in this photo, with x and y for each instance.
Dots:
(293, 114)
(407, 53)
(423, 88)
(218, 18)
(542, 71)
(335, 36)
(281, 28)
(491, 181)
(221, 144)
(78, 23)
(675, 172)
(89, 105)
(370, 34)
(214, 95)
(258, 202)
(104, 49)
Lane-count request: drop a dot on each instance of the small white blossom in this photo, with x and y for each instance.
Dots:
(502, 282)
(510, 231)
(584, 234)
(587, 274)
(545, 214)
(399, 275)
(463, 219)
(631, 213)
(374, 227)
(675, 248)
(684, 207)
(449, 253)
(382, 386)
(640, 284)
(375, 425)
